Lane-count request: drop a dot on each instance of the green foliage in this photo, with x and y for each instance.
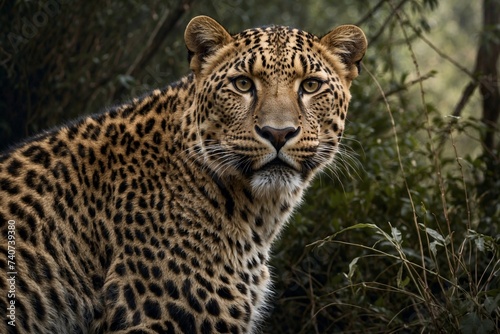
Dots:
(408, 218)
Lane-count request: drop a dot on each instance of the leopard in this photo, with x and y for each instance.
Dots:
(158, 215)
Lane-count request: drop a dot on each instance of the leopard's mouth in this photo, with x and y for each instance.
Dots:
(276, 164)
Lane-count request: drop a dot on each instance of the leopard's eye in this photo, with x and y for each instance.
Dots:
(243, 84)
(311, 85)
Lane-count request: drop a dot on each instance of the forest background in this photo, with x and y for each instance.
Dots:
(402, 234)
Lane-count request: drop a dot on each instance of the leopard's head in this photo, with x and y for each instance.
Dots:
(271, 102)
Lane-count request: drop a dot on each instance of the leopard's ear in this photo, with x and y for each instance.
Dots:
(349, 43)
(203, 36)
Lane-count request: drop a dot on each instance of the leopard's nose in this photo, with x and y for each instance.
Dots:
(277, 137)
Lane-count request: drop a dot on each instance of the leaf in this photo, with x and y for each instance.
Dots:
(479, 244)
(396, 235)
(434, 234)
(491, 304)
(125, 80)
(352, 269)
(484, 242)
(472, 324)
(401, 283)
(433, 245)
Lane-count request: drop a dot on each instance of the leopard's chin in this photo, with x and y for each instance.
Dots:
(276, 180)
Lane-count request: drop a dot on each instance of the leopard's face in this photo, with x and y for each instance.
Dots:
(274, 105)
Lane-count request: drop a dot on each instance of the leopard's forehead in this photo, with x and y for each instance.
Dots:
(275, 36)
(279, 41)
(277, 50)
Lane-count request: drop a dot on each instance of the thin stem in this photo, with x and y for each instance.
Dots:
(401, 166)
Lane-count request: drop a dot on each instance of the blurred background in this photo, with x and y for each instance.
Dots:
(401, 235)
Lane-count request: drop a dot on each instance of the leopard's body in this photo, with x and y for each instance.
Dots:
(157, 216)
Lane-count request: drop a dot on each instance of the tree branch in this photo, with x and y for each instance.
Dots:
(161, 31)
(484, 75)
(373, 38)
(371, 12)
(165, 25)
(467, 93)
(486, 69)
(406, 85)
(442, 54)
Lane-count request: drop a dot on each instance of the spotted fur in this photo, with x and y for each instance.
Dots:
(157, 216)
